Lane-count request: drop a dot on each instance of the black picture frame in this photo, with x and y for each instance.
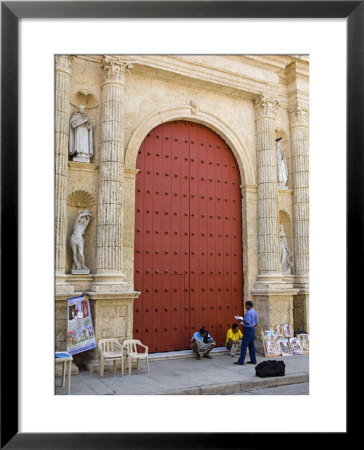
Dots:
(11, 12)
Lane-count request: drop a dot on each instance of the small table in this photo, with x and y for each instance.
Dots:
(65, 360)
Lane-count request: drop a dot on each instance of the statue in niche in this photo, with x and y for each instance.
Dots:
(81, 143)
(282, 168)
(286, 255)
(77, 242)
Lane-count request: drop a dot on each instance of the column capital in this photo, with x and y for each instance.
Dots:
(298, 115)
(64, 63)
(266, 106)
(114, 69)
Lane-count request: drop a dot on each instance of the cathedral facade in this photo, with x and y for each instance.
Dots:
(186, 178)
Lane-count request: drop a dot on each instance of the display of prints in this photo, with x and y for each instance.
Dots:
(271, 343)
(284, 346)
(287, 332)
(305, 342)
(295, 344)
(80, 330)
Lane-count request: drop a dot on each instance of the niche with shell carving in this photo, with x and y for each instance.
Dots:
(285, 220)
(84, 97)
(81, 199)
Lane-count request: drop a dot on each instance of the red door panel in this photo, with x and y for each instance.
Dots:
(188, 246)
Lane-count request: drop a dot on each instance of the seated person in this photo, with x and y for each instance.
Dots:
(201, 341)
(233, 336)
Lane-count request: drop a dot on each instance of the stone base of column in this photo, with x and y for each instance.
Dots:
(301, 311)
(274, 282)
(112, 316)
(109, 282)
(80, 283)
(301, 282)
(62, 285)
(273, 307)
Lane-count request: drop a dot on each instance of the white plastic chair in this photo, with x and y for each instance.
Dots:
(111, 350)
(130, 345)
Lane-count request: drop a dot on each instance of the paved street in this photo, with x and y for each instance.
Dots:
(290, 389)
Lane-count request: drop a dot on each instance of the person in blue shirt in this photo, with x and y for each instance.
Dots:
(201, 341)
(250, 321)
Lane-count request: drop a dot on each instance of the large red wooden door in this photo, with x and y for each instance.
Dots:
(188, 247)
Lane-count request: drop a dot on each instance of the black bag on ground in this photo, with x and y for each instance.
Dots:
(270, 368)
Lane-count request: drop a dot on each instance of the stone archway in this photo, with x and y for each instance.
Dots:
(238, 148)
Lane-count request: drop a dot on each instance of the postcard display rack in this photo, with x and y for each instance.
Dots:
(281, 342)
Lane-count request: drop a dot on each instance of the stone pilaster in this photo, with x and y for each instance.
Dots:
(129, 224)
(249, 194)
(268, 242)
(298, 115)
(109, 260)
(63, 67)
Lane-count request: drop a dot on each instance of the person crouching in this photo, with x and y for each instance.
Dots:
(202, 342)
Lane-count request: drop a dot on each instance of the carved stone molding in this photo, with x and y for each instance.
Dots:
(266, 106)
(249, 188)
(114, 69)
(130, 173)
(86, 98)
(298, 115)
(64, 63)
(80, 199)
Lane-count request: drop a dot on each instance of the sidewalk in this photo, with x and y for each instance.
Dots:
(186, 375)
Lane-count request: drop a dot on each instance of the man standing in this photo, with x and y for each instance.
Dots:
(201, 341)
(250, 321)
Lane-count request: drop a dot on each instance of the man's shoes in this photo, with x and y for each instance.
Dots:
(207, 356)
(238, 363)
(232, 354)
(250, 362)
(198, 357)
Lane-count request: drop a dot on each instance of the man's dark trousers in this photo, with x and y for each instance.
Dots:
(248, 341)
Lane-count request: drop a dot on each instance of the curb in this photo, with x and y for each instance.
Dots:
(232, 388)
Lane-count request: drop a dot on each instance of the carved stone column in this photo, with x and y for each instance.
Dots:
(300, 176)
(63, 85)
(109, 260)
(268, 242)
(298, 115)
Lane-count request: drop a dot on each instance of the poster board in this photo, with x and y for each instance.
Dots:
(295, 345)
(305, 342)
(284, 330)
(80, 329)
(284, 346)
(270, 344)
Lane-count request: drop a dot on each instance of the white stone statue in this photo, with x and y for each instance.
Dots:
(282, 168)
(81, 144)
(77, 242)
(286, 255)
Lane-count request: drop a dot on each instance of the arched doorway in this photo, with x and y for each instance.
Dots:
(188, 244)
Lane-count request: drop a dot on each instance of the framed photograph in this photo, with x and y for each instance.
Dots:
(284, 346)
(305, 342)
(295, 345)
(270, 343)
(29, 286)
